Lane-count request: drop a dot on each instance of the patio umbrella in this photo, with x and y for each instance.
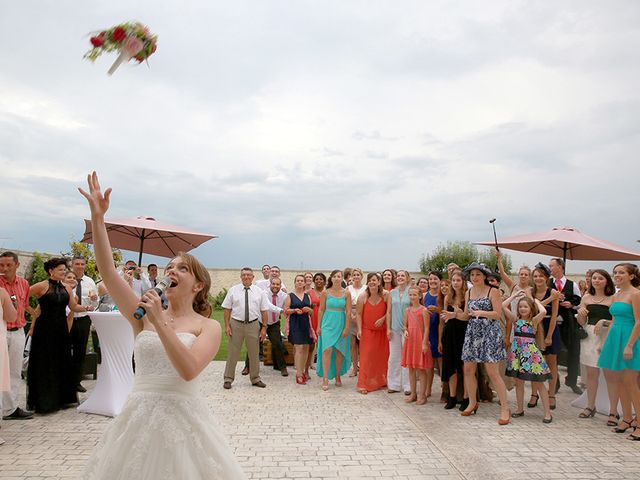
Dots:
(146, 235)
(567, 242)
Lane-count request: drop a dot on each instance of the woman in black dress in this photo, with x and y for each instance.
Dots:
(452, 334)
(297, 307)
(50, 382)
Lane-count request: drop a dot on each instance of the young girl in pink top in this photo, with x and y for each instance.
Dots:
(415, 351)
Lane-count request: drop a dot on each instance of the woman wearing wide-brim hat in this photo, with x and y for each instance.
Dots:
(483, 341)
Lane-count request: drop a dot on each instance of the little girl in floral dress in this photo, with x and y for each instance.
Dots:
(524, 360)
(415, 350)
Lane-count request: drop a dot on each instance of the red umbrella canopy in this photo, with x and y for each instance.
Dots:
(147, 235)
(566, 242)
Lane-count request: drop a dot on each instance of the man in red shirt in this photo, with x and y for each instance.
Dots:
(18, 289)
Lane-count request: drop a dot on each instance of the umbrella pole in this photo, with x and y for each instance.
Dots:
(141, 245)
(564, 255)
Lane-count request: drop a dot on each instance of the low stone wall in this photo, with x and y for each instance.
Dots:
(227, 277)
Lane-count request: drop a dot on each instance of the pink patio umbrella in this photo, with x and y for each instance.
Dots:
(567, 242)
(146, 235)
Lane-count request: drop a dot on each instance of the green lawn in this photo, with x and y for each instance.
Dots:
(218, 314)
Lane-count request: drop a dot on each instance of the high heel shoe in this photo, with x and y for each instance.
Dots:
(502, 421)
(613, 420)
(517, 414)
(533, 404)
(552, 406)
(468, 413)
(451, 403)
(587, 413)
(547, 420)
(633, 436)
(621, 429)
(300, 380)
(325, 385)
(464, 404)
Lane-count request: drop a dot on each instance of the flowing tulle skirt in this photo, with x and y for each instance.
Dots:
(165, 431)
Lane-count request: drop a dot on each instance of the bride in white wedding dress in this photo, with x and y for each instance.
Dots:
(165, 430)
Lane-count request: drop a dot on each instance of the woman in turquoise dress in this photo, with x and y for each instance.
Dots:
(621, 351)
(333, 331)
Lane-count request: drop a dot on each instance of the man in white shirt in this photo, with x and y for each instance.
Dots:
(275, 301)
(274, 272)
(266, 278)
(245, 320)
(87, 294)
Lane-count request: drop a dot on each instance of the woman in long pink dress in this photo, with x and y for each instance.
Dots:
(373, 333)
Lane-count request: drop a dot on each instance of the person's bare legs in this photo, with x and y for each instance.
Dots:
(326, 364)
(519, 395)
(630, 383)
(413, 382)
(422, 394)
(500, 387)
(544, 397)
(614, 396)
(312, 349)
(338, 367)
(552, 361)
(471, 384)
(592, 386)
(354, 355)
(429, 383)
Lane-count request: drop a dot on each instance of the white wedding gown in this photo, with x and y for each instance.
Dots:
(165, 430)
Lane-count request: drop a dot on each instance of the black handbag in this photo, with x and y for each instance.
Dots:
(581, 333)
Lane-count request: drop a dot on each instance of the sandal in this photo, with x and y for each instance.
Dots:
(552, 406)
(517, 414)
(587, 413)
(619, 428)
(633, 436)
(325, 385)
(535, 403)
(613, 420)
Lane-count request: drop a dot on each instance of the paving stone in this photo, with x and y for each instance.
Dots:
(290, 431)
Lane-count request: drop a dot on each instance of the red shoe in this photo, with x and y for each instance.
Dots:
(307, 377)
(300, 380)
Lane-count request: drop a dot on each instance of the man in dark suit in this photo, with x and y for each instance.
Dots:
(569, 299)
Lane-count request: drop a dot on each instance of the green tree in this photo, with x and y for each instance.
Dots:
(460, 253)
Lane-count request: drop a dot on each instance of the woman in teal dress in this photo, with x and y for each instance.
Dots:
(621, 350)
(333, 331)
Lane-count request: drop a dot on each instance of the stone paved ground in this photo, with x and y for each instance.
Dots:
(289, 431)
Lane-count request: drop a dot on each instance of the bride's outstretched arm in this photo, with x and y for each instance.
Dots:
(122, 294)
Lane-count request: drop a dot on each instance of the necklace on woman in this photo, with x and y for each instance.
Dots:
(598, 301)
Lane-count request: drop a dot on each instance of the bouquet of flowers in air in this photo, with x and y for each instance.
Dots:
(132, 40)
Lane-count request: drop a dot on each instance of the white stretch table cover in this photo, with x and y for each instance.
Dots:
(115, 378)
(602, 398)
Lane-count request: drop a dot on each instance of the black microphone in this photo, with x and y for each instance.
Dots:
(160, 288)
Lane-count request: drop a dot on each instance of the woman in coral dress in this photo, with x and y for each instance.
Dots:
(373, 333)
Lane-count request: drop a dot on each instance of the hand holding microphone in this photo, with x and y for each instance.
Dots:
(159, 289)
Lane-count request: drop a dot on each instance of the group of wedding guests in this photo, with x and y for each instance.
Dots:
(394, 331)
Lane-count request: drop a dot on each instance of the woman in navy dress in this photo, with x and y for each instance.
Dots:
(433, 301)
(297, 307)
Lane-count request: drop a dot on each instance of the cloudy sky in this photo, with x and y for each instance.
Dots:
(320, 134)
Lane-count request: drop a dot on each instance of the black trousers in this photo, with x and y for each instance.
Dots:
(79, 338)
(572, 344)
(278, 351)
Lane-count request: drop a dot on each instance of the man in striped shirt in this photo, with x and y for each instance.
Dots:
(18, 289)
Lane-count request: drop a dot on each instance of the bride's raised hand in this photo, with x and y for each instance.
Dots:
(98, 202)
